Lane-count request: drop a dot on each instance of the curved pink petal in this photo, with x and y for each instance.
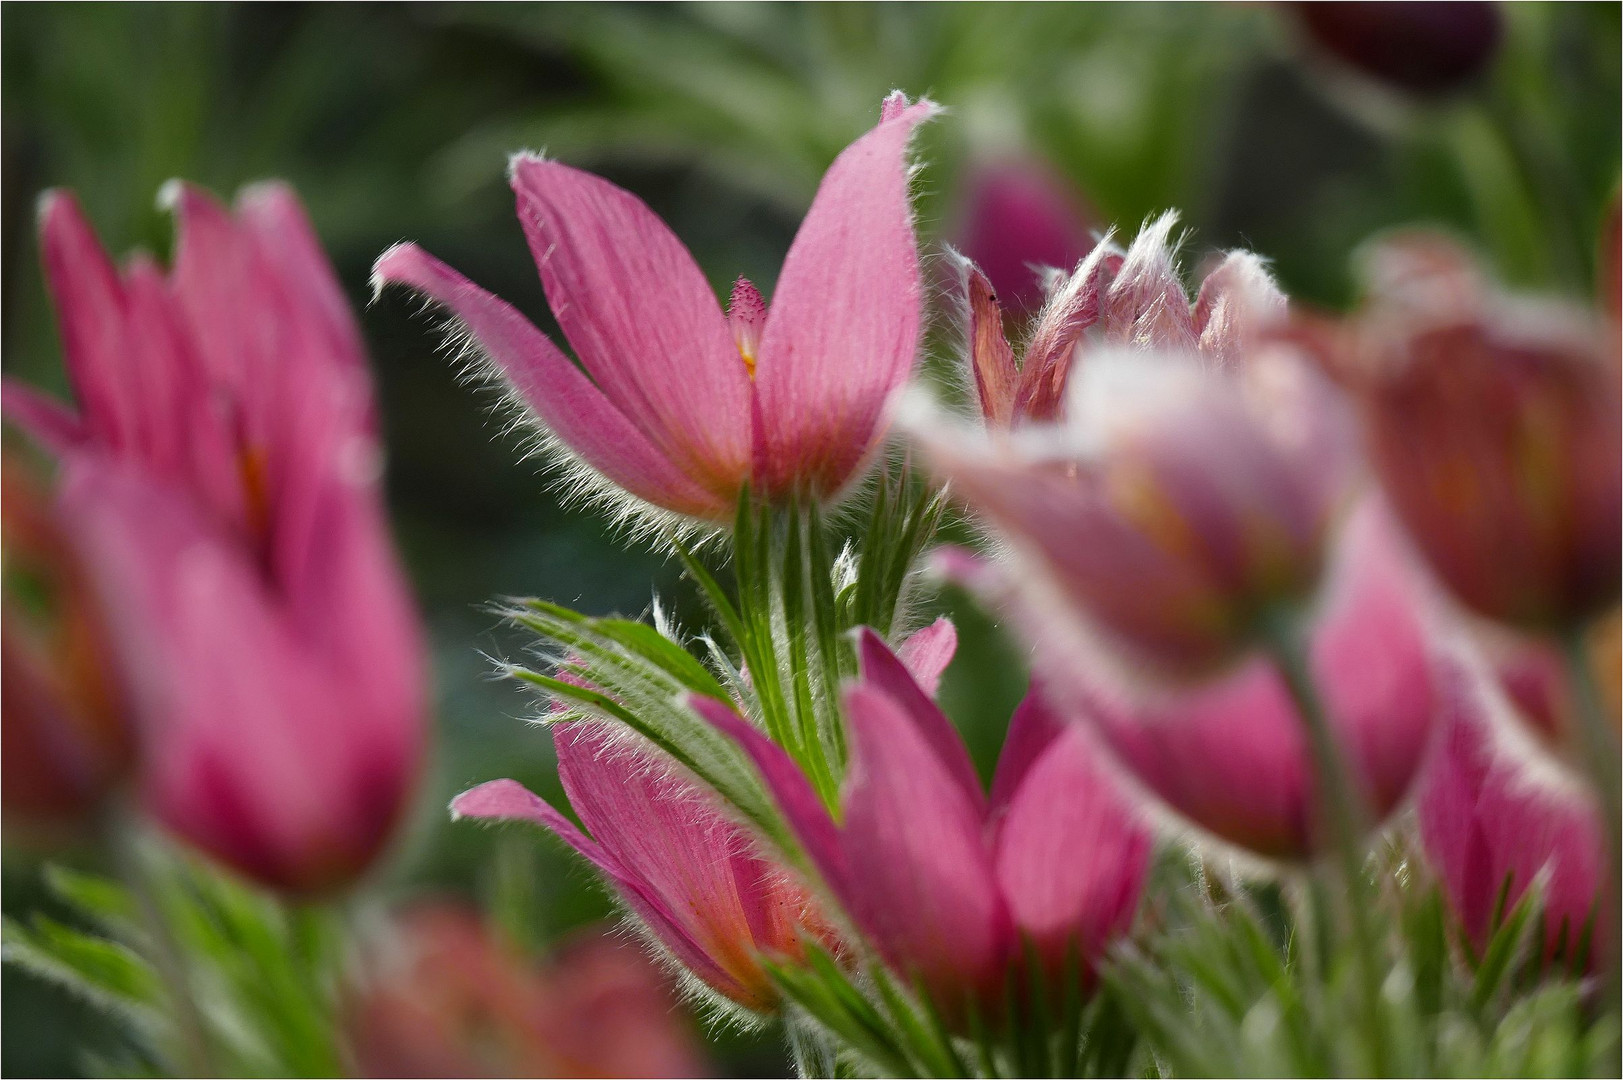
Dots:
(642, 318)
(561, 395)
(886, 672)
(921, 877)
(89, 300)
(843, 329)
(1036, 723)
(1237, 300)
(927, 652)
(1071, 854)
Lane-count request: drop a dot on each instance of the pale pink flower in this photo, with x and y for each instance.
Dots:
(673, 401)
(221, 472)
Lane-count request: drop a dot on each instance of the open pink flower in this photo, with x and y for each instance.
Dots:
(675, 860)
(1131, 298)
(673, 401)
(1492, 825)
(221, 473)
(943, 880)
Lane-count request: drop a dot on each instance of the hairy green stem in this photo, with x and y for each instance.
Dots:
(1343, 812)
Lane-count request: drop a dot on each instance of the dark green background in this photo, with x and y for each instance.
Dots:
(395, 121)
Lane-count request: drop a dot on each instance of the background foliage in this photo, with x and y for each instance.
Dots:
(394, 122)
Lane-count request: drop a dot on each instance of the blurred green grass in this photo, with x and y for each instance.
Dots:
(394, 121)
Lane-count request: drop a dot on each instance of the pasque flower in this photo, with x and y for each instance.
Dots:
(1493, 825)
(1495, 425)
(1113, 297)
(674, 402)
(945, 881)
(63, 717)
(673, 857)
(221, 473)
(447, 996)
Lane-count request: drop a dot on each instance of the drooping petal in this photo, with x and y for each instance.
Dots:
(641, 317)
(1071, 853)
(887, 673)
(562, 396)
(927, 652)
(921, 876)
(843, 330)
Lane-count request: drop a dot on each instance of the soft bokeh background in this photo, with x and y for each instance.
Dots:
(395, 122)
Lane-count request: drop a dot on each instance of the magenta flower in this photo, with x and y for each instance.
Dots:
(1130, 298)
(1021, 217)
(1492, 825)
(673, 401)
(675, 860)
(944, 881)
(1495, 426)
(222, 473)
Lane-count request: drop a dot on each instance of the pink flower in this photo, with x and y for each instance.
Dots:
(1492, 825)
(674, 402)
(221, 472)
(1495, 425)
(675, 860)
(1019, 218)
(1132, 298)
(1173, 509)
(449, 997)
(943, 880)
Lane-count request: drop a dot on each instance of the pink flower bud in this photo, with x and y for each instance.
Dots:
(674, 402)
(446, 996)
(1019, 218)
(221, 477)
(1495, 425)
(691, 875)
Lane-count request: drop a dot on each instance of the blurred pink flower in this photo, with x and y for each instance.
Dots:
(1496, 426)
(1019, 217)
(450, 998)
(946, 882)
(63, 717)
(676, 861)
(222, 475)
(674, 402)
(1492, 825)
(1129, 298)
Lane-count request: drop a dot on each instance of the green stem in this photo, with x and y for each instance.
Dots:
(1343, 811)
(1600, 753)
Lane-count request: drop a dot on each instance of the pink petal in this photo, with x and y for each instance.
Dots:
(927, 652)
(843, 330)
(796, 799)
(267, 761)
(1237, 300)
(991, 358)
(921, 877)
(888, 674)
(1070, 312)
(1071, 855)
(1036, 723)
(508, 800)
(1146, 304)
(49, 422)
(89, 301)
(564, 398)
(643, 320)
(1021, 216)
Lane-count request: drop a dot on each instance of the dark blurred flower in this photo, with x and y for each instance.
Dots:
(1133, 298)
(693, 877)
(449, 997)
(674, 402)
(1497, 429)
(949, 885)
(64, 722)
(1424, 48)
(1020, 217)
(222, 476)
(1492, 826)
